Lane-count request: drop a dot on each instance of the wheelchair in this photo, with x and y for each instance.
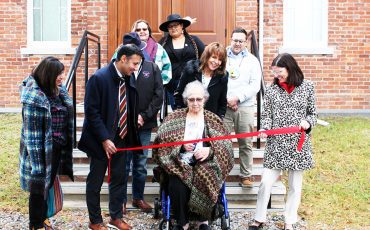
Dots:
(162, 205)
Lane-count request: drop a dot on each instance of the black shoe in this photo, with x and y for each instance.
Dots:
(177, 227)
(204, 227)
(253, 227)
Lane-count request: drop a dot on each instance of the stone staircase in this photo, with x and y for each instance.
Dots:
(238, 197)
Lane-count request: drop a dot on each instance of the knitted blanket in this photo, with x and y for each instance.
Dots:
(205, 178)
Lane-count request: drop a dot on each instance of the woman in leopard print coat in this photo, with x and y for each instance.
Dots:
(289, 101)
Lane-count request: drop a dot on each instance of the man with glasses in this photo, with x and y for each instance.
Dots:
(244, 83)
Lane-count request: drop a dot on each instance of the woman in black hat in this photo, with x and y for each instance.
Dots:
(180, 47)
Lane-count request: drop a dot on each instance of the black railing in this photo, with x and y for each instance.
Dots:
(261, 93)
(71, 77)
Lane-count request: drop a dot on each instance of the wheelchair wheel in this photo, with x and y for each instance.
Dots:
(225, 222)
(157, 208)
(165, 225)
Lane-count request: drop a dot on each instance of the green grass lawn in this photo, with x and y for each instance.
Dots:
(11, 196)
(336, 192)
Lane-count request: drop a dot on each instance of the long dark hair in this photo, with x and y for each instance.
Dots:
(167, 37)
(295, 74)
(211, 49)
(46, 74)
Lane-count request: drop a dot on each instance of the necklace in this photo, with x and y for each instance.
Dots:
(234, 69)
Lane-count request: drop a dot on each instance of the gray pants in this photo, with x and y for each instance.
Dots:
(242, 120)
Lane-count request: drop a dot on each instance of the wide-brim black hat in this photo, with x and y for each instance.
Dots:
(174, 18)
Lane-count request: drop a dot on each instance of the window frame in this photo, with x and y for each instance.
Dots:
(47, 47)
(302, 47)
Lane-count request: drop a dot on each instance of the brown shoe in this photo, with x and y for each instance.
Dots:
(99, 226)
(47, 225)
(246, 182)
(124, 210)
(119, 224)
(144, 206)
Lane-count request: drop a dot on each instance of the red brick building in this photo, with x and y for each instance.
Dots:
(329, 38)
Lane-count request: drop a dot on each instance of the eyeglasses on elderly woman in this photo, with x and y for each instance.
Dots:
(197, 99)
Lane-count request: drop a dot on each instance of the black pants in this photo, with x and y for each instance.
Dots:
(37, 203)
(37, 210)
(94, 182)
(180, 195)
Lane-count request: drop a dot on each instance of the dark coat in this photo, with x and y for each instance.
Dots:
(101, 111)
(178, 62)
(150, 89)
(217, 89)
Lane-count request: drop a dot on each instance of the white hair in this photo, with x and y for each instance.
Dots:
(191, 87)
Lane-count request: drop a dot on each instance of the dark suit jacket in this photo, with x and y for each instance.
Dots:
(217, 89)
(101, 111)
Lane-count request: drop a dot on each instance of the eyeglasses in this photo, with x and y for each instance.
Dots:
(238, 41)
(198, 99)
(141, 29)
(170, 26)
(276, 72)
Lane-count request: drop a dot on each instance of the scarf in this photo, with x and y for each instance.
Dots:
(151, 48)
(288, 88)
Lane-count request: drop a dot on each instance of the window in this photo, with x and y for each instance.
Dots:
(305, 27)
(48, 27)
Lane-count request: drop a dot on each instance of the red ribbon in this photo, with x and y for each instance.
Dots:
(288, 130)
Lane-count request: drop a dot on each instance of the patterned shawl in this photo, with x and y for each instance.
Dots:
(205, 178)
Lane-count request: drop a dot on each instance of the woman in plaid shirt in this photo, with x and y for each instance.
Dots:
(46, 136)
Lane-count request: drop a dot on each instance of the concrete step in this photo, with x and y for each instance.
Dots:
(74, 194)
(234, 140)
(277, 204)
(81, 171)
(80, 157)
(153, 135)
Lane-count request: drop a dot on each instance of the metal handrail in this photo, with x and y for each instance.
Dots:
(71, 77)
(76, 59)
(261, 93)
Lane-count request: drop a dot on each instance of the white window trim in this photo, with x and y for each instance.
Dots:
(303, 48)
(306, 50)
(62, 47)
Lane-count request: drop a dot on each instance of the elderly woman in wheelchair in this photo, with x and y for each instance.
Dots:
(196, 171)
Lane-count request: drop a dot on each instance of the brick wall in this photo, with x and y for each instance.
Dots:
(342, 79)
(14, 67)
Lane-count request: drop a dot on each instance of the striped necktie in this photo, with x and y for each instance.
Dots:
(122, 110)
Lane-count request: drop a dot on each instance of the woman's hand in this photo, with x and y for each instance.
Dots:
(188, 147)
(262, 134)
(304, 125)
(202, 153)
(192, 20)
